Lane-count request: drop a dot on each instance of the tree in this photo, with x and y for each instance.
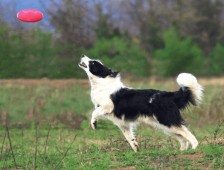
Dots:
(103, 28)
(121, 55)
(151, 18)
(178, 55)
(208, 27)
(217, 60)
(72, 21)
(142, 15)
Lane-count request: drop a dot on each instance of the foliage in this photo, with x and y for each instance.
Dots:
(10, 57)
(121, 55)
(34, 54)
(104, 29)
(22, 57)
(208, 28)
(178, 55)
(72, 22)
(217, 60)
(125, 34)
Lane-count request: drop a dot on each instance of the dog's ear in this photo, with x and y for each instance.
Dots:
(114, 73)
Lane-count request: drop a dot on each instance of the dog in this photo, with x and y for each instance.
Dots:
(127, 107)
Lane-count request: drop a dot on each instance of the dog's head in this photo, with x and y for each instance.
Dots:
(96, 68)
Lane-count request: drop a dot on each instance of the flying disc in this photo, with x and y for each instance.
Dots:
(30, 15)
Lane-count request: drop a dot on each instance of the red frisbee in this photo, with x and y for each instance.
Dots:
(30, 15)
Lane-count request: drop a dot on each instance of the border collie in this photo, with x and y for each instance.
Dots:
(127, 107)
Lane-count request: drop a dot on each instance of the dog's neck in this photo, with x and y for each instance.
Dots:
(109, 83)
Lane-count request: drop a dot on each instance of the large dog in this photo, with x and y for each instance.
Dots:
(126, 107)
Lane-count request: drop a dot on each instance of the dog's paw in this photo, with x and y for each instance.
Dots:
(94, 124)
(136, 148)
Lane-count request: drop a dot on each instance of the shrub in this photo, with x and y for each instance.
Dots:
(121, 56)
(178, 55)
(10, 61)
(25, 54)
(217, 60)
(34, 54)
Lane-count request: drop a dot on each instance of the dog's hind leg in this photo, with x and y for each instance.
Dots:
(185, 133)
(183, 142)
(173, 133)
(129, 135)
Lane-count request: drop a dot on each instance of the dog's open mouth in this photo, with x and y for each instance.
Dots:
(82, 64)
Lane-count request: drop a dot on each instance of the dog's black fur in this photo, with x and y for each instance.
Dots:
(96, 68)
(165, 106)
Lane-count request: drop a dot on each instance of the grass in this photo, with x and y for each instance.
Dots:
(46, 126)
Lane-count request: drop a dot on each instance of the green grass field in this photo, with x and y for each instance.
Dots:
(44, 124)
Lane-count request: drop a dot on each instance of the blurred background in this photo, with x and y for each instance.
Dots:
(136, 37)
(45, 106)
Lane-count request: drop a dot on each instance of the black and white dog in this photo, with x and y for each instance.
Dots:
(126, 107)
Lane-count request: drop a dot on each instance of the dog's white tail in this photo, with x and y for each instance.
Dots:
(190, 81)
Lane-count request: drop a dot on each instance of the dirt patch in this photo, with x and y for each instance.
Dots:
(194, 157)
(191, 156)
(126, 168)
(58, 83)
(97, 142)
(68, 118)
(71, 119)
(66, 82)
(212, 81)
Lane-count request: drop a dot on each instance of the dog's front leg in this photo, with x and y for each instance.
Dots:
(95, 115)
(127, 132)
(94, 124)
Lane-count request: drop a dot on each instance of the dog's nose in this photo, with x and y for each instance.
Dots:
(82, 55)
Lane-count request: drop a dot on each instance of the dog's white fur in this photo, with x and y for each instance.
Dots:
(188, 80)
(102, 88)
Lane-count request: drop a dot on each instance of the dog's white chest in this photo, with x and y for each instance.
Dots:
(101, 93)
(99, 96)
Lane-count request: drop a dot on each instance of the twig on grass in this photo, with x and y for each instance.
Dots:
(217, 129)
(2, 147)
(10, 143)
(35, 151)
(5, 159)
(45, 146)
(57, 166)
(205, 139)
